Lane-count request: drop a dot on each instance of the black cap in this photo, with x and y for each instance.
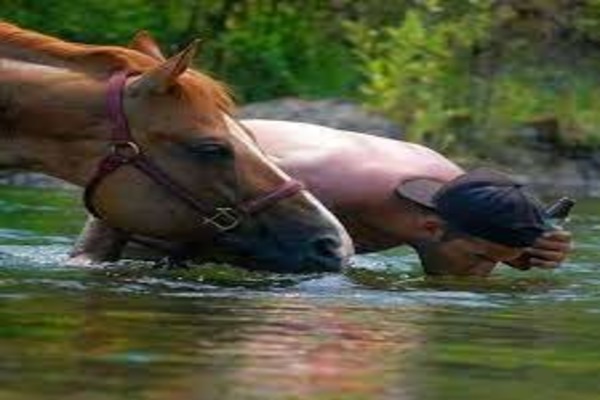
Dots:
(483, 203)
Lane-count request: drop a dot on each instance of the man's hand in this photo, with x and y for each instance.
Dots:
(548, 251)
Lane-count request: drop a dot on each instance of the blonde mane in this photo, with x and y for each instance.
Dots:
(29, 46)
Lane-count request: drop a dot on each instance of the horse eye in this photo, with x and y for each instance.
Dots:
(211, 150)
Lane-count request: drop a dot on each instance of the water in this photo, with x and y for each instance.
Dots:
(379, 332)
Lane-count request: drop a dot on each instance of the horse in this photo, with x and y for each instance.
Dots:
(155, 146)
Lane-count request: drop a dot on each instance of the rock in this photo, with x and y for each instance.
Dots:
(334, 113)
(550, 174)
(32, 180)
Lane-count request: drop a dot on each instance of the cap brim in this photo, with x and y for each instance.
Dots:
(420, 190)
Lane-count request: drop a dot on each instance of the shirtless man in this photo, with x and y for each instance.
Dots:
(390, 193)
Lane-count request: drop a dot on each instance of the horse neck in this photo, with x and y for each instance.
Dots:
(29, 46)
(51, 121)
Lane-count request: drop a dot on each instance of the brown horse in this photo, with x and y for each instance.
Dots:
(157, 149)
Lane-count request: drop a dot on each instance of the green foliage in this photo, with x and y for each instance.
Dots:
(283, 53)
(477, 74)
(263, 48)
(530, 94)
(90, 21)
(405, 69)
(418, 72)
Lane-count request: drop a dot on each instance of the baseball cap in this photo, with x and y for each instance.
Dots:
(483, 203)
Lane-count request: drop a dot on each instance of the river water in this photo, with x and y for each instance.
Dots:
(380, 331)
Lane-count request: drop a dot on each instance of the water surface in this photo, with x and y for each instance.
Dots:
(379, 332)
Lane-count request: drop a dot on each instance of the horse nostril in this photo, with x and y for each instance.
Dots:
(326, 247)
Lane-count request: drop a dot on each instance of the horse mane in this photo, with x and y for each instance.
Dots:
(29, 46)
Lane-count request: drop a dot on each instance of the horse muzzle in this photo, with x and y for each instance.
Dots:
(325, 253)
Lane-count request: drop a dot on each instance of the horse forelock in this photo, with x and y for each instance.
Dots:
(206, 92)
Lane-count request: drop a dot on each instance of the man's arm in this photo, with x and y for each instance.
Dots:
(96, 243)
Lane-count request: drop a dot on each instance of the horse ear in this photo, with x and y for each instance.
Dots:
(145, 43)
(160, 79)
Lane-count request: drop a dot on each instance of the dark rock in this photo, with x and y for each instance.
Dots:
(334, 113)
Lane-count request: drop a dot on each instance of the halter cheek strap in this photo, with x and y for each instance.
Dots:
(125, 151)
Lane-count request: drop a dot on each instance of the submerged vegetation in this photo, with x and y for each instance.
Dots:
(453, 73)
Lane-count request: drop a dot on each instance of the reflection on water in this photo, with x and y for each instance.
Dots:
(381, 331)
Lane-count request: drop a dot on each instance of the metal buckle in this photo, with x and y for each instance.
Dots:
(127, 150)
(225, 219)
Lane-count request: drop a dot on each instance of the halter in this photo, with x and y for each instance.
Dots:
(125, 151)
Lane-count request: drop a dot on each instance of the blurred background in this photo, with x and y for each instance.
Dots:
(509, 82)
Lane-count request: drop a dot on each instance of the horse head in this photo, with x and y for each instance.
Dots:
(202, 178)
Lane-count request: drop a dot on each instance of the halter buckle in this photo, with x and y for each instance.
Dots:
(225, 219)
(127, 150)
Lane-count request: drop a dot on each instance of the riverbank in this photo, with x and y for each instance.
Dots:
(550, 171)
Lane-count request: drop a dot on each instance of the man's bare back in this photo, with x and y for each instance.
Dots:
(344, 167)
(353, 174)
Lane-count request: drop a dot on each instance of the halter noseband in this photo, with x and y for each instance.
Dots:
(125, 151)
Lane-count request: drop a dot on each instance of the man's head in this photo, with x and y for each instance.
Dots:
(467, 225)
